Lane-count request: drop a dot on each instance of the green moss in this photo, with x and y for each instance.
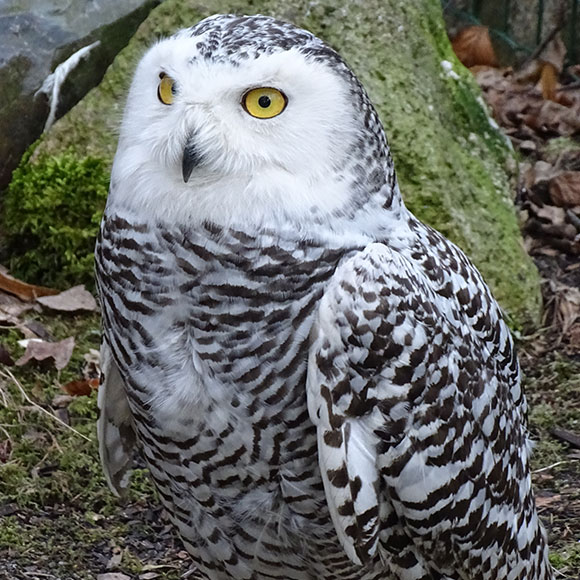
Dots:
(49, 463)
(52, 211)
(66, 521)
(553, 393)
(450, 161)
(566, 559)
(555, 147)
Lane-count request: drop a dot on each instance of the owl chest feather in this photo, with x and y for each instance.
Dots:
(212, 333)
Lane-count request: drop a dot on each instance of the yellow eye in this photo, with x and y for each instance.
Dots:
(166, 89)
(264, 103)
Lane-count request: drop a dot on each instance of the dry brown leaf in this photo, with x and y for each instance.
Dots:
(24, 291)
(567, 305)
(81, 388)
(573, 337)
(549, 81)
(61, 401)
(545, 501)
(38, 329)
(76, 298)
(558, 119)
(473, 47)
(541, 173)
(11, 308)
(555, 215)
(39, 350)
(565, 189)
(5, 358)
(116, 558)
(490, 77)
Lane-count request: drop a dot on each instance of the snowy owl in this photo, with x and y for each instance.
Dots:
(322, 387)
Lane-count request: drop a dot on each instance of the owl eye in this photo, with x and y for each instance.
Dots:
(166, 89)
(264, 103)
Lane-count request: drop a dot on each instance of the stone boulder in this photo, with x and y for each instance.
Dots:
(37, 36)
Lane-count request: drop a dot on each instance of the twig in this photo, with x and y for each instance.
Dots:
(574, 219)
(554, 465)
(571, 87)
(7, 374)
(566, 436)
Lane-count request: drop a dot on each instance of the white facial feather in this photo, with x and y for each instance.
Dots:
(252, 170)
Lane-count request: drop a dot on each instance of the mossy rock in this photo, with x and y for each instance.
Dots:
(450, 161)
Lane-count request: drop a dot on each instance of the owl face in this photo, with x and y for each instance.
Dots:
(232, 121)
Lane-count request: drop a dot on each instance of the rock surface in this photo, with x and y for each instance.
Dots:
(36, 36)
(450, 161)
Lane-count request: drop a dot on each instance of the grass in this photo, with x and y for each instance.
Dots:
(57, 517)
(553, 393)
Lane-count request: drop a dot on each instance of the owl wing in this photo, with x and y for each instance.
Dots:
(115, 430)
(400, 387)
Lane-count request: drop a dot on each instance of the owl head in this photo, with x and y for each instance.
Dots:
(249, 120)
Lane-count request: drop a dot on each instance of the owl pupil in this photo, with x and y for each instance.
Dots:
(264, 102)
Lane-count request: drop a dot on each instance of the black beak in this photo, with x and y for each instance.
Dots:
(191, 159)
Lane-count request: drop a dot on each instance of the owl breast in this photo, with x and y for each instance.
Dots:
(211, 333)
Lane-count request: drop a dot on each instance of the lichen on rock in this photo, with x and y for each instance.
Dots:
(450, 161)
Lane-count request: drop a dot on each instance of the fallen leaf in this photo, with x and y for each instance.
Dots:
(5, 358)
(573, 337)
(11, 308)
(38, 329)
(39, 350)
(81, 388)
(116, 558)
(24, 291)
(528, 146)
(473, 47)
(552, 118)
(567, 305)
(61, 401)
(542, 172)
(76, 298)
(549, 81)
(113, 576)
(551, 214)
(565, 189)
(545, 501)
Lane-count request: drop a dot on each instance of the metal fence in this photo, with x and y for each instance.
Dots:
(520, 25)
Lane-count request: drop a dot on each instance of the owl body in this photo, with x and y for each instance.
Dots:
(322, 386)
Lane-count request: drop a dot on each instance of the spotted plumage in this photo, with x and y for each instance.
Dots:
(321, 386)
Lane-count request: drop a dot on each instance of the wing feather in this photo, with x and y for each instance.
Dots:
(407, 402)
(115, 430)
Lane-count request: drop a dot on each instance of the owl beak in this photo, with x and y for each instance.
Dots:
(190, 161)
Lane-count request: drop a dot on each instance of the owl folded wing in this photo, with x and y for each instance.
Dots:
(398, 385)
(115, 428)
